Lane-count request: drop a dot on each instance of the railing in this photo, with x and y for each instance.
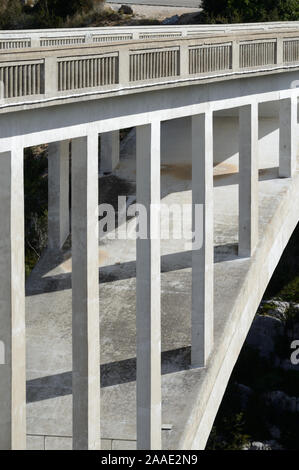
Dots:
(64, 65)
(63, 37)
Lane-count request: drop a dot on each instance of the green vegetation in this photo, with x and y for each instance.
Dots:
(248, 11)
(36, 204)
(14, 14)
(236, 424)
(43, 14)
(285, 280)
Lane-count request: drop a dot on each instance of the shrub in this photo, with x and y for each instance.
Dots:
(246, 11)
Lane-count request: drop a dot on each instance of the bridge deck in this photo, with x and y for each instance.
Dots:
(48, 306)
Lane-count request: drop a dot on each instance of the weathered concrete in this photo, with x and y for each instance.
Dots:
(202, 327)
(12, 301)
(109, 151)
(85, 304)
(148, 290)
(239, 285)
(58, 194)
(240, 84)
(248, 179)
(288, 137)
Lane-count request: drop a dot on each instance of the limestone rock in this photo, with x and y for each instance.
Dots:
(263, 333)
(125, 10)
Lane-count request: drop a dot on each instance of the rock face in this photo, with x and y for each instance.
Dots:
(125, 10)
(274, 320)
(267, 445)
(263, 334)
(282, 401)
(274, 328)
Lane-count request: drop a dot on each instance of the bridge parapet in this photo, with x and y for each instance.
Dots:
(64, 37)
(77, 66)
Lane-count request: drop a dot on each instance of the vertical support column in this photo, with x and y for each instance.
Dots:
(148, 290)
(184, 60)
(51, 76)
(287, 137)
(58, 194)
(248, 179)
(235, 55)
(202, 253)
(85, 286)
(124, 67)
(12, 302)
(109, 150)
(279, 51)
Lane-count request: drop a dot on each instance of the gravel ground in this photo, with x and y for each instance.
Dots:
(156, 11)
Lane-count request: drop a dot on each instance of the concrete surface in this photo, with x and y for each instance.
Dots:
(190, 397)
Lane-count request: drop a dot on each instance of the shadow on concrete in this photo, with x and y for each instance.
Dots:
(229, 179)
(113, 373)
(173, 262)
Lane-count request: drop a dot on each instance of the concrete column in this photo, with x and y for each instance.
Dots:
(109, 151)
(85, 288)
(124, 67)
(51, 76)
(202, 255)
(248, 179)
(58, 194)
(279, 51)
(12, 302)
(184, 60)
(235, 55)
(287, 137)
(148, 291)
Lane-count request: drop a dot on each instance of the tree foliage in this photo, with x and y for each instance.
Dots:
(248, 11)
(14, 14)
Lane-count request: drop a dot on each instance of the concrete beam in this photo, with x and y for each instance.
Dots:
(202, 254)
(148, 291)
(58, 194)
(248, 179)
(109, 151)
(288, 137)
(12, 302)
(85, 288)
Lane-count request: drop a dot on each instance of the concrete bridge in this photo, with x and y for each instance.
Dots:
(196, 97)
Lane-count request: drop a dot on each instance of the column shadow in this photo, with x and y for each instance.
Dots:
(113, 373)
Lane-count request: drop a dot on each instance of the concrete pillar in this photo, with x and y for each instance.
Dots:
(12, 302)
(85, 288)
(248, 179)
(287, 137)
(109, 151)
(58, 194)
(148, 291)
(202, 256)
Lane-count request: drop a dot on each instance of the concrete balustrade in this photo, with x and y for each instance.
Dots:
(62, 37)
(68, 68)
